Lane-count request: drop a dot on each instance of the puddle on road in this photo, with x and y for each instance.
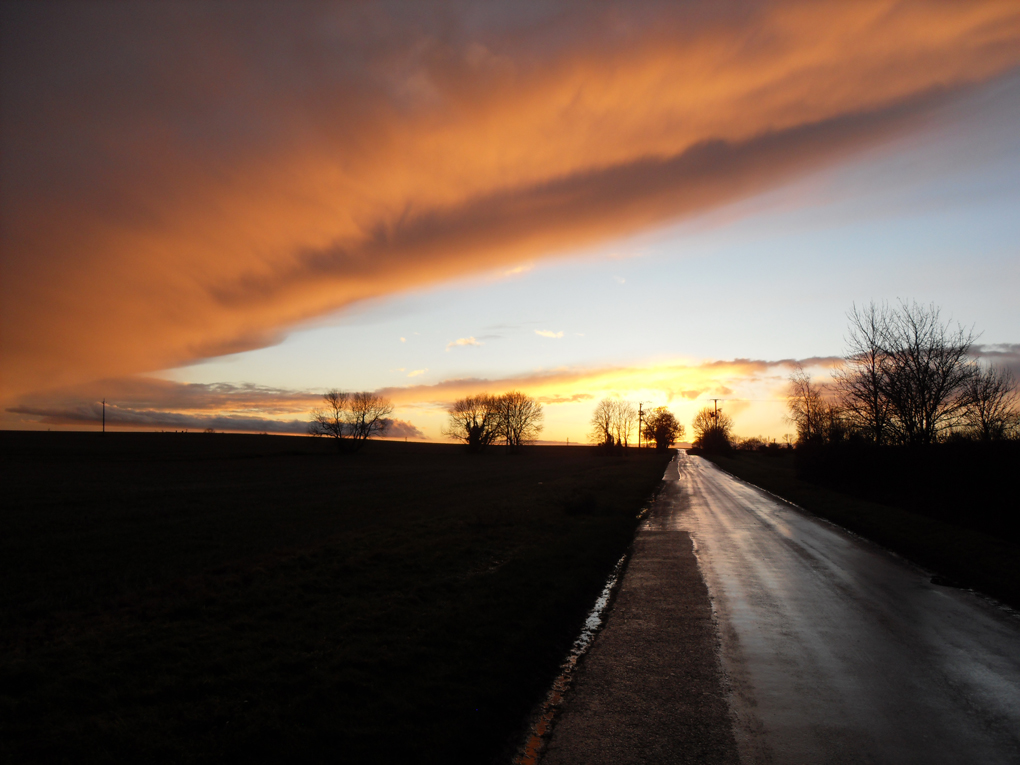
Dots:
(529, 753)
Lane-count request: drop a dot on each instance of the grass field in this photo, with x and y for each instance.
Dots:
(209, 598)
(965, 556)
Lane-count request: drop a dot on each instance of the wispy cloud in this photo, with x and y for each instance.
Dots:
(548, 333)
(518, 270)
(571, 399)
(417, 372)
(462, 342)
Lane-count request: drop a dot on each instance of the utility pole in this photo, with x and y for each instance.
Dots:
(640, 415)
(104, 415)
(715, 414)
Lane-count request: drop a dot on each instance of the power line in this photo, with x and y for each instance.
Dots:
(716, 401)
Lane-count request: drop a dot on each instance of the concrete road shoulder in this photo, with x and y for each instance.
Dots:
(651, 688)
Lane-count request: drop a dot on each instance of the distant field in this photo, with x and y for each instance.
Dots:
(963, 555)
(209, 598)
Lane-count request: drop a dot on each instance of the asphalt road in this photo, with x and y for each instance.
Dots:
(835, 650)
(787, 640)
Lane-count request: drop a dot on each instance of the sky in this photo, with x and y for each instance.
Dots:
(210, 213)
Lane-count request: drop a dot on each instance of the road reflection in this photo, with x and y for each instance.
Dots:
(837, 651)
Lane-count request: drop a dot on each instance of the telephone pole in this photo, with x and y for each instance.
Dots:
(640, 415)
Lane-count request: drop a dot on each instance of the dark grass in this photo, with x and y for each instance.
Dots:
(965, 483)
(209, 598)
(960, 555)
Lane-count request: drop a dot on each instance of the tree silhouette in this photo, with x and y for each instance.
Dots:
(662, 427)
(612, 423)
(520, 418)
(817, 418)
(475, 420)
(712, 430)
(928, 372)
(906, 377)
(992, 412)
(861, 378)
(351, 418)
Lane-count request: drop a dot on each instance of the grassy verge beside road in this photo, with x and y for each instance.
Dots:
(965, 556)
(201, 597)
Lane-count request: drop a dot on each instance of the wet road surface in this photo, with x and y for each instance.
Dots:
(837, 651)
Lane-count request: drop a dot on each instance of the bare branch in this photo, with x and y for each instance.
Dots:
(993, 404)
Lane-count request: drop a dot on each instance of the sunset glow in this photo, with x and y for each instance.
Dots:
(210, 215)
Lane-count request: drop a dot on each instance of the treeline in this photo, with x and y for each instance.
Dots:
(907, 379)
(614, 421)
(514, 419)
(911, 419)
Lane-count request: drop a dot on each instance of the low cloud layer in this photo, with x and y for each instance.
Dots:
(675, 382)
(121, 417)
(1005, 355)
(151, 403)
(179, 181)
(154, 404)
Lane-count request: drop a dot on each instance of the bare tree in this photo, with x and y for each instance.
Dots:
(927, 376)
(475, 420)
(818, 419)
(602, 423)
(613, 422)
(992, 412)
(332, 420)
(351, 418)
(368, 415)
(520, 418)
(906, 377)
(806, 407)
(860, 380)
(624, 422)
(662, 427)
(713, 430)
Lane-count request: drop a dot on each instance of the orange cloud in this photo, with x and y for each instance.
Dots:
(663, 382)
(167, 196)
(141, 402)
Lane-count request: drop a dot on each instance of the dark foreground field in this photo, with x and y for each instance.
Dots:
(962, 548)
(204, 597)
